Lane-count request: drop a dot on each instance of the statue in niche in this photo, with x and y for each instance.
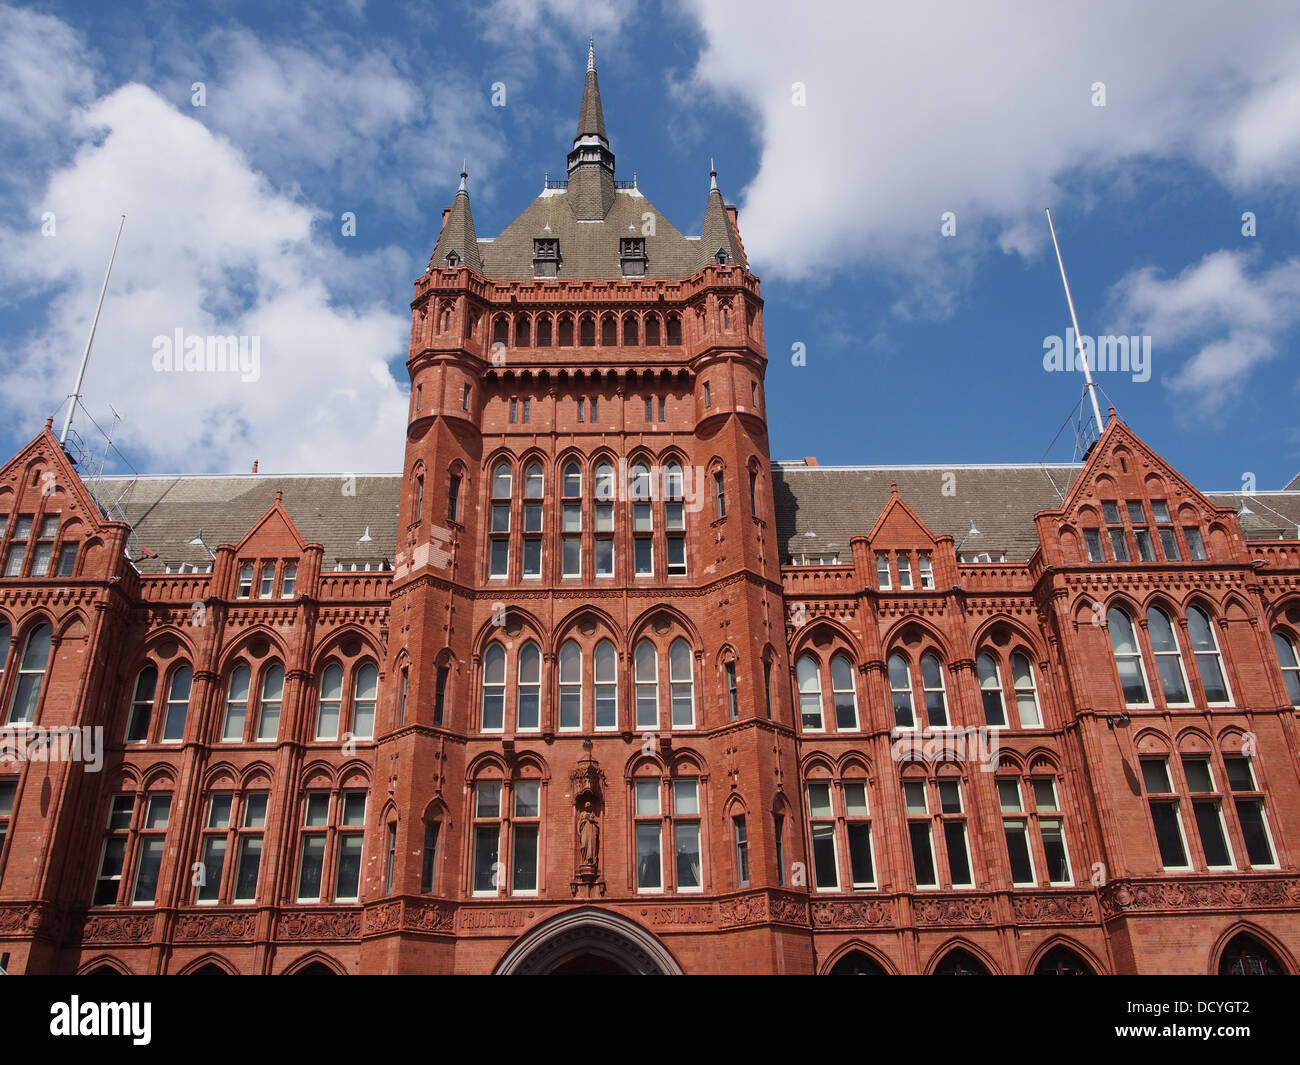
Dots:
(588, 836)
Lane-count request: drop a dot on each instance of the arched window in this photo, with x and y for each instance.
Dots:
(365, 691)
(571, 686)
(646, 662)
(529, 710)
(31, 675)
(682, 684)
(501, 330)
(544, 331)
(494, 688)
(845, 693)
(236, 704)
(534, 481)
(521, 331)
(330, 704)
(267, 584)
(178, 704)
(1022, 677)
(606, 685)
(652, 331)
(1169, 660)
(137, 726)
(1209, 663)
(572, 480)
(855, 963)
(6, 635)
(1247, 956)
(268, 709)
(501, 481)
(604, 482)
(587, 331)
(995, 714)
(609, 331)
(674, 329)
(810, 693)
(900, 686)
(936, 699)
(1286, 658)
(245, 581)
(629, 330)
(1128, 658)
(960, 962)
(1061, 961)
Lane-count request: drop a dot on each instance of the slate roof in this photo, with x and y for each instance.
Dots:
(167, 512)
(834, 502)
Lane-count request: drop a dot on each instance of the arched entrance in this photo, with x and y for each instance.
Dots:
(588, 942)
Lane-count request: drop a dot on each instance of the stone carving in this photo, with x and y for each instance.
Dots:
(129, 928)
(866, 914)
(977, 910)
(749, 909)
(588, 837)
(215, 926)
(1044, 909)
(1226, 894)
(335, 924)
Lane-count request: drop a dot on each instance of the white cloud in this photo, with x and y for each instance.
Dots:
(211, 248)
(1236, 319)
(981, 109)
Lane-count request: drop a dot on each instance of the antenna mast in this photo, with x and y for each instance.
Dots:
(1078, 337)
(75, 395)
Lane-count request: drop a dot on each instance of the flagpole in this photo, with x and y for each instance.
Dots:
(1078, 337)
(94, 323)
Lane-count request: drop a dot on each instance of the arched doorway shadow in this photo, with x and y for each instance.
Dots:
(588, 942)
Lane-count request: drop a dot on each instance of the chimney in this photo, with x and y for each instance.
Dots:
(254, 465)
(445, 212)
(810, 460)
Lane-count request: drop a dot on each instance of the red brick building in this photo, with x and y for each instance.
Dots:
(593, 685)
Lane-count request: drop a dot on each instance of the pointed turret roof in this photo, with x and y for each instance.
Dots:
(591, 119)
(717, 232)
(457, 237)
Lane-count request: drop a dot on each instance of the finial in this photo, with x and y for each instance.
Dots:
(464, 173)
(591, 54)
(713, 175)
(279, 495)
(893, 488)
(49, 422)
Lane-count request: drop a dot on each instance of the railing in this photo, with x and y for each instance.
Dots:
(818, 580)
(356, 585)
(556, 183)
(1282, 555)
(175, 587)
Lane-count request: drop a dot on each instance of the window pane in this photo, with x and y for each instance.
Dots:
(918, 834)
(486, 839)
(819, 799)
(686, 798)
(855, 799)
(1240, 777)
(648, 874)
(146, 881)
(954, 835)
(214, 858)
(1164, 816)
(687, 846)
(1022, 866)
(647, 798)
(914, 796)
(824, 864)
(1058, 862)
(1250, 812)
(949, 797)
(487, 798)
(1210, 827)
(1155, 775)
(860, 855)
(524, 876)
(1009, 796)
(1198, 775)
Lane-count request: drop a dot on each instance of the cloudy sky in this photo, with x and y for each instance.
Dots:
(891, 163)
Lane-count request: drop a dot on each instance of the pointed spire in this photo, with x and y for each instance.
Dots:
(718, 235)
(591, 163)
(457, 243)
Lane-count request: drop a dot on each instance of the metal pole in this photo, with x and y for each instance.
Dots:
(85, 355)
(1078, 337)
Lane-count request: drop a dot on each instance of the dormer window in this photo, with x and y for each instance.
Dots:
(453, 260)
(631, 256)
(546, 257)
(721, 257)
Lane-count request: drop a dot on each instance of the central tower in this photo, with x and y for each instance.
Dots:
(587, 641)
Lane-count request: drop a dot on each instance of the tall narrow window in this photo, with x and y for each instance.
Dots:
(767, 686)
(1165, 530)
(213, 846)
(236, 704)
(153, 834)
(268, 706)
(571, 686)
(845, 694)
(604, 543)
(525, 831)
(178, 703)
(440, 694)
(390, 857)
(858, 826)
(1115, 530)
(1137, 516)
(1207, 811)
(534, 491)
(347, 859)
(1195, 545)
(112, 857)
(245, 581)
(401, 699)
(365, 693)
(1015, 829)
(429, 858)
(605, 675)
(936, 699)
(1248, 799)
(719, 495)
(267, 585)
(1165, 816)
(919, 836)
(44, 550)
(137, 726)
(733, 702)
(954, 833)
(821, 817)
(494, 688)
(778, 829)
(530, 688)
(927, 570)
(649, 835)
(1092, 540)
(900, 686)
(882, 572)
(499, 556)
(995, 715)
(681, 680)
(249, 847)
(1169, 660)
(742, 850)
(330, 705)
(1128, 658)
(31, 675)
(453, 497)
(810, 693)
(686, 834)
(904, 573)
(1026, 692)
(646, 663)
(1209, 663)
(290, 583)
(1289, 662)
(487, 837)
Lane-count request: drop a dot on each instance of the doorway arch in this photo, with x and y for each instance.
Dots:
(588, 941)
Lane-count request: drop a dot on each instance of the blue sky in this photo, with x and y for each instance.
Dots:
(844, 132)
